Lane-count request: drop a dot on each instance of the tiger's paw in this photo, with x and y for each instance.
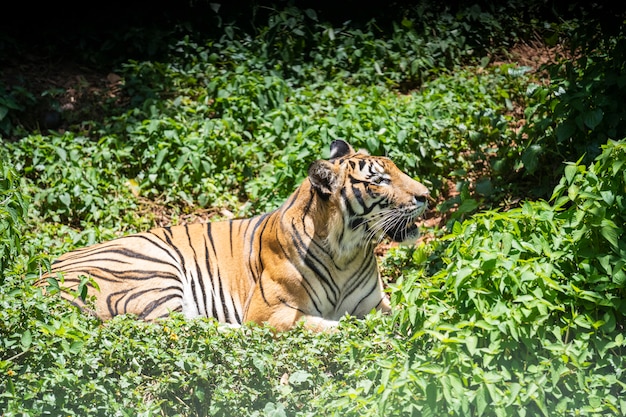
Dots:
(320, 324)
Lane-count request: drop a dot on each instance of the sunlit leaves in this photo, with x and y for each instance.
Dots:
(525, 306)
(13, 208)
(512, 313)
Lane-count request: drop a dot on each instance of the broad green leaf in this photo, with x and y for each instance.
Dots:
(471, 342)
(570, 172)
(298, 377)
(27, 339)
(76, 347)
(608, 197)
(530, 157)
(65, 199)
(467, 206)
(274, 410)
(619, 277)
(482, 400)
(62, 153)
(610, 232)
(278, 125)
(593, 118)
(431, 396)
(160, 157)
(565, 130)
(461, 276)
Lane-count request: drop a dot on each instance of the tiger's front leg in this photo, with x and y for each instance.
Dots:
(271, 304)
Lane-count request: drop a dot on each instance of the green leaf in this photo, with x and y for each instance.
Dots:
(278, 125)
(610, 232)
(299, 377)
(65, 199)
(467, 206)
(274, 410)
(461, 276)
(570, 172)
(62, 153)
(564, 131)
(471, 342)
(619, 277)
(76, 347)
(311, 14)
(27, 339)
(482, 400)
(160, 157)
(530, 157)
(431, 396)
(593, 118)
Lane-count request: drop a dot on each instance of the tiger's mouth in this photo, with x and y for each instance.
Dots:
(402, 233)
(405, 230)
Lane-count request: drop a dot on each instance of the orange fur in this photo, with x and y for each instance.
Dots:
(312, 259)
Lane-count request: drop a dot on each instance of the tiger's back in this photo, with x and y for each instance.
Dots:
(189, 269)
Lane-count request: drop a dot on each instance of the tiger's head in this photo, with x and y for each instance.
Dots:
(370, 198)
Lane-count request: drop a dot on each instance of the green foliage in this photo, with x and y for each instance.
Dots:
(597, 225)
(11, 102)
(527, 315)
(221, 135)
(517, 312)
(579, 110)
(13, 208)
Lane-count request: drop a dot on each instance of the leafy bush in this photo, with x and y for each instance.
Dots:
(581, 108)
(13, 208)
(517, 312)
(242, 136)
(527, 314)
(497, 319)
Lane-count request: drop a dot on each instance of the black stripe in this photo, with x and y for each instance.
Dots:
(102, 258)
(285, 303)
(253, 235)
(203, 292)
(360, 277)
(154, 304)
(260, 283)
(292, 199)
(167, 248)
(215, 279)
(230, 236)
(307, 287)
(194, 291)
(129, 274)
(374, 288)
(207, 264)
(310, 261)
(309, 203)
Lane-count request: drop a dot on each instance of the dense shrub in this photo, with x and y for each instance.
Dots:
(13, 208)
(513, 312)
(527, 314)
(582, 107)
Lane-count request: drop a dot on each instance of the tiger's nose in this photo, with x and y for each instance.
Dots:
(420, 194)
(420, 198)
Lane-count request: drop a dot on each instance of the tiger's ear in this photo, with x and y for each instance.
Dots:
(339, 148)
(323, 177)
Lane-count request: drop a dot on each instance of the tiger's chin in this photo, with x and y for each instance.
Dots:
(405, 235)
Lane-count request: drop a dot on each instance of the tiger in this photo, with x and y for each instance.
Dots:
(312, 260)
